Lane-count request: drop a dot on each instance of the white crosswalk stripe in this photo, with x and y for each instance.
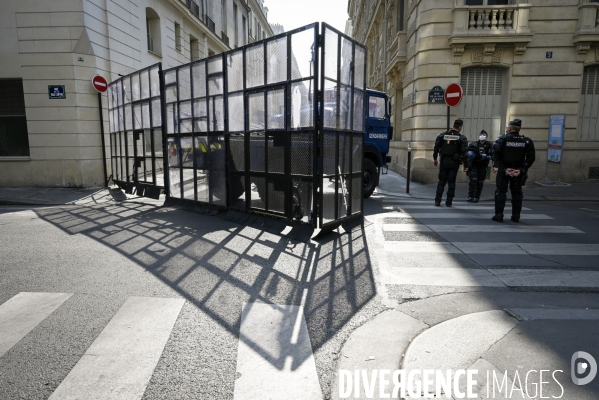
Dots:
(274, 357)
(120, 362)
(23, 312)
(458, 263)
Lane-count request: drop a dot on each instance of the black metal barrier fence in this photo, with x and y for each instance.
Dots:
(135, 125)
(274, 128)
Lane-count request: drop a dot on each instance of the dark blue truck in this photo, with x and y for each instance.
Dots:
(378, 134)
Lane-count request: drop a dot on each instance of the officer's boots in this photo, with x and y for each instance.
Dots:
(471, 191)
(516, 213)
(479, 190)
(437, 202)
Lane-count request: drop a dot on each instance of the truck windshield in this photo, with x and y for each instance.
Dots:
(376, 107)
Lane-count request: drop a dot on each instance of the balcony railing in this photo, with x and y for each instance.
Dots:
(491, 24)
(224, 37)
(193, 7)
(209, 22)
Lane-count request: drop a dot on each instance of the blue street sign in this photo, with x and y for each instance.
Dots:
(56, 92)
(549, 54)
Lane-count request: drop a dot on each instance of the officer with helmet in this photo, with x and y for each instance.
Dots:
(513, 155)
(479, 154)
(452, 146)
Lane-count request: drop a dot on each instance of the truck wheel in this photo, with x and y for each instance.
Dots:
(370, 177)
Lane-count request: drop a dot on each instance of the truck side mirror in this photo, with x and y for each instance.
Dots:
(389, 107)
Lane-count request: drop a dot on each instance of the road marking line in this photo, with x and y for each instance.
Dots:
(269, 364)
(439, 277)
(479, 228)
(494, 248)
(463, 215)
(443, 208)
(120, 362)
(547, 278)
(554, 313)
(421, 247)
(23, 312)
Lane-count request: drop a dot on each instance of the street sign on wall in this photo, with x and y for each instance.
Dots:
(56, 92)
(436, 95)
(453, 95)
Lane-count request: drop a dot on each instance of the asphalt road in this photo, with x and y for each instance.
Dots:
(105, 257)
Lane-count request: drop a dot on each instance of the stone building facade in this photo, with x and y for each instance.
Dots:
(49, 140)
(526, 59)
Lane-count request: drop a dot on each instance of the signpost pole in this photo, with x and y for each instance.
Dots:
(409, 167)
(448, 116)
(103, 141)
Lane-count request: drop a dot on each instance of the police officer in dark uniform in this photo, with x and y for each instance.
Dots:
(513, 155)
(479, 154)
(452, 146)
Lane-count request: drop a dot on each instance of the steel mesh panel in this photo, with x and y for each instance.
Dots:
(186, 152)
(235, 71)
(344, 117)
(330, 104)
(217, 152)
(201, 125)
(185, 126)
(358, 115)
(171, 94)
(256, 111)
(257, 152)
(236, 113)
(276, 154)
(302, 154)
(137, 117)
(119, 93)
(156, 113)
(172, 119)
(129, 117)
(276, 60)
(131, 171)
(201, 115)
(276, 109)
(237, 191)
(148, 176)
(330, 53)
(127, 90)
(344, 152)
(174, 182)
(121, 118)
(302, 201)
(203, 193)
(144, 83)
(157, 142)
(359, 65)
(199, 79)
(254, 65)
(357, 153)
(258, 193)
(345, 70)
(216, 114)
(276, 198)
(303, 53)
(328, 201)
(184, 83)
(215, 65)
(173, 152)
(110, 121)
(135, 89)
(188, 184)
(328, 153)
(170, 77)
(201, 152)
(158, 167)
(356, 195)
(185, 110)
(145, 112)
(154, 82)
(217, 181)
(215, 85)
(343, 195)
(302, 104)
(237, 152)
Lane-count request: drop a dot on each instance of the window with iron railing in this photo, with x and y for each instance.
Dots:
(209, 22)
(489, 2)
(225, 38)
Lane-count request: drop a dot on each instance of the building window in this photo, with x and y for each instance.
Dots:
(588, 118)
(243, 27)
(178, 40)
(236, 24)
(223, 5)
(400, 15)
(194, 48)
(14, 141)
(488, 2)
(153, 31)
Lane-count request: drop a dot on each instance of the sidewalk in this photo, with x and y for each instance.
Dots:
(63, 196)
(395, 185)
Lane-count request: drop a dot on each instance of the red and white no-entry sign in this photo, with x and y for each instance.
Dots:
(99, 83)
(453, 95)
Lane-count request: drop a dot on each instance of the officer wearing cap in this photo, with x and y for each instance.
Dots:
(479, 154)
(452, 146)
(513, 155)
